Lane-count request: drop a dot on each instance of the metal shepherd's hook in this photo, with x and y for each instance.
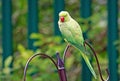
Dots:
(39, 54)
(95, 55)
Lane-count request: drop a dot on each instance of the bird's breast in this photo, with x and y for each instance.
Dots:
(66, 33)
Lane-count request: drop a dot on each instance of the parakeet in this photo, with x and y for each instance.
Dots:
(72, 34)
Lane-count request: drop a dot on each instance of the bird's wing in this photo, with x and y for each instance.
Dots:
(79, 41)
(76, 32)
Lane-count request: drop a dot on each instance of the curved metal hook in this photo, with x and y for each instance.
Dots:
(65, 52)
(95, 55)
(44, 55)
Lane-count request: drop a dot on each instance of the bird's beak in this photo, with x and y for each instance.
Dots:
(62, 19)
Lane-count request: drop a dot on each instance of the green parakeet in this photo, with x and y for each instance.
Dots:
(72, 34)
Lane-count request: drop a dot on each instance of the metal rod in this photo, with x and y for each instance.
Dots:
(61, 68)
(29, 60)
(32, 21)
(6, 30)
(95, 55)
(85, 12)
(58, 6)
(65, 52)
(112, 37)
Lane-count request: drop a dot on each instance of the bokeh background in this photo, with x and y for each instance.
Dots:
(28, 27)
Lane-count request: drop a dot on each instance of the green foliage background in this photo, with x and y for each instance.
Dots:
(42, 69)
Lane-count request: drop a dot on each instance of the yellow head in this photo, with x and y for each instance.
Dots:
(64, 16)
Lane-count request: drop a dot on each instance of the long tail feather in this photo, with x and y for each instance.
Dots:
(88, 64)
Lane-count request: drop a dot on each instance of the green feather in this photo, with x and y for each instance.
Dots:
(88, 64)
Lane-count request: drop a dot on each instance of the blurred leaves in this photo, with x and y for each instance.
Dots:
(7, 69)
(24, 52)
(69, 62)
(47, 39)
(8, 61)
(39, 66)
